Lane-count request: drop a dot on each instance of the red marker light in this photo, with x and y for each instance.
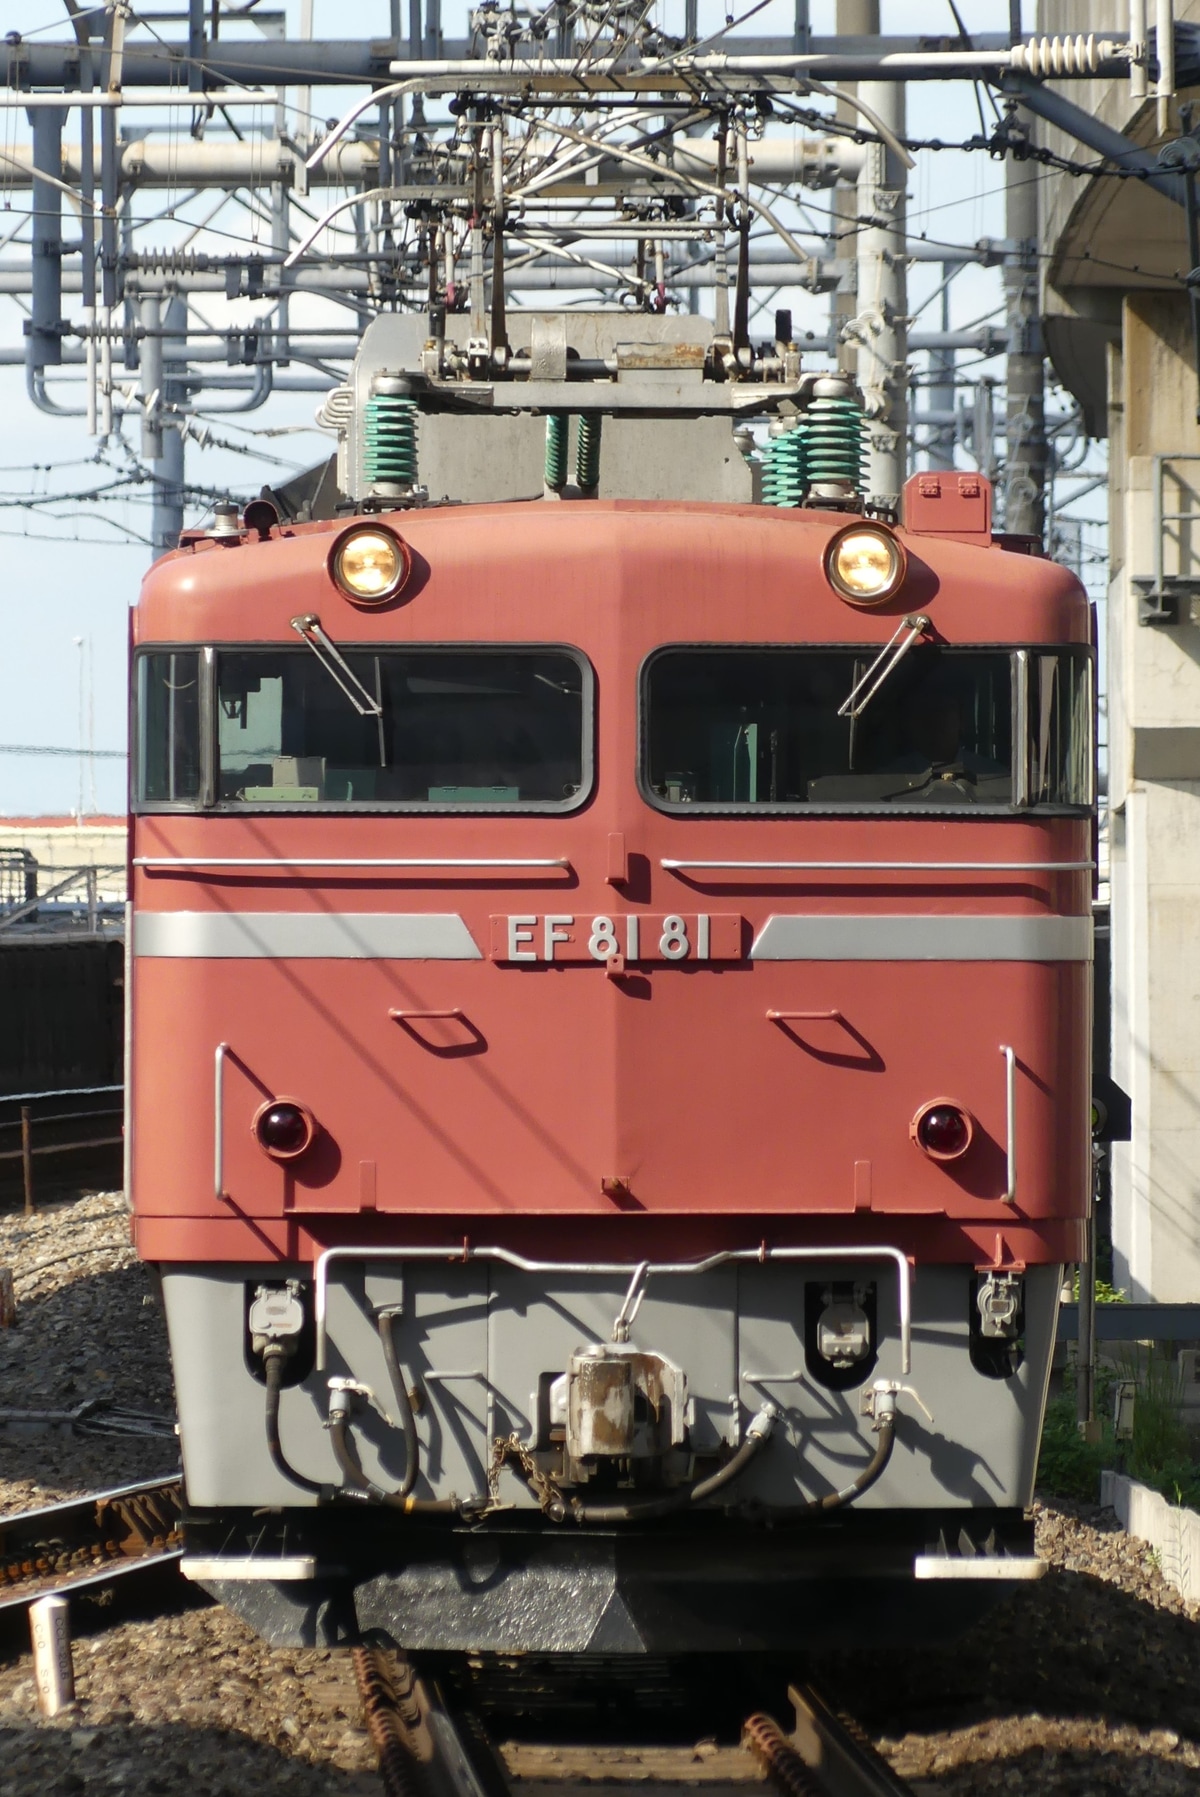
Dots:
(283, 1128)
(942, 1130)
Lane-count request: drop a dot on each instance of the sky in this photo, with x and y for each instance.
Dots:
(69, 576)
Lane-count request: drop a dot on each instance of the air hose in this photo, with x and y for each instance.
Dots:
(671, 1502)
(408, 1422)
(360, 1487)
(365, 1489)
(837, 1500)
(274, 1355)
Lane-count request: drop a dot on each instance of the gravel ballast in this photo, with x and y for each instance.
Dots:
(1088, 1681)
(89, 1329)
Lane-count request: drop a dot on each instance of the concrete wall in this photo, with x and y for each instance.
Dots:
(1154, 795)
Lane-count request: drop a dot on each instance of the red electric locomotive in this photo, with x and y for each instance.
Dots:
(610, 975)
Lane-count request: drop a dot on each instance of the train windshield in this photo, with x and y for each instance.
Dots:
(753, 728)
(435, 728)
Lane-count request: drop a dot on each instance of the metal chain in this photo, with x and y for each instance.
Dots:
(542, 1484)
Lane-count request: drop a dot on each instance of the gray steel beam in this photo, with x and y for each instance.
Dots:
(1135, 1322)
(335, 62)
(1057, 110)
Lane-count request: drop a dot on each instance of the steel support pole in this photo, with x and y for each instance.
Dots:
(150, 383)
(881, 323)
(167, 516)
(941, 391)
(1085, 1361)
(1026, 452)
(854, 18)
(44, 344)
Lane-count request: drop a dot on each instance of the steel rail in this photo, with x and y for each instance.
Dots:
(88, 1541)
(428, 1744)
(828, 1755)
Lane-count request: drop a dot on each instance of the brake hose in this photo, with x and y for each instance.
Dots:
(837, 1500)
(408, 1422)
(274, 1356)
(757, 1436)
(366, 1489)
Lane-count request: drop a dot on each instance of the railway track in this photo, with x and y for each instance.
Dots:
(430, 1744)
(127, 1533)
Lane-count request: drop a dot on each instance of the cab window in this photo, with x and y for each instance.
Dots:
(781, 728)
(443, 729)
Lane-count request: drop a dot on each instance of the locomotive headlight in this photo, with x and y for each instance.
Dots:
(284, 1128)
(370, 564)
(942, 1130)
(865, 564)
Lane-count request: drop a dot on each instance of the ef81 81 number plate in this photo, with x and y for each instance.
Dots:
(627, 936)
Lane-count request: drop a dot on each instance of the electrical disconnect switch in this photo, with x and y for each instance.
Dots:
(276, 1314)
(1000, 1304)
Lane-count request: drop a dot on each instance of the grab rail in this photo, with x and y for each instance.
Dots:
(153, 861)
(1010, 1095)
(219, 1122)
(972, 867)
(625, 1269)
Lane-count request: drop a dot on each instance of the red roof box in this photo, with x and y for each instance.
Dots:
(945, 504)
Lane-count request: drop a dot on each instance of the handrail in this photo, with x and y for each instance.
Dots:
(974, 867)
(1010, 1094)
(624, 1269)
(219, 1122)
(155, 861)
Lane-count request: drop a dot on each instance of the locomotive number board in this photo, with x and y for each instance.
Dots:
(630, 936)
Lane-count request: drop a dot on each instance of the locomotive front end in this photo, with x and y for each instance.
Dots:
(610, 1080)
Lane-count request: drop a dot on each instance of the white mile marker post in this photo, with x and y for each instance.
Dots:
(53, 1671)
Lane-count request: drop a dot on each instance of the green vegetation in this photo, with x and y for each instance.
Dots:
(1161, 1454)
(1105, 1293)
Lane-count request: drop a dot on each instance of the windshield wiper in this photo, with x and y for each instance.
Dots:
(308, 627)
(887, 661)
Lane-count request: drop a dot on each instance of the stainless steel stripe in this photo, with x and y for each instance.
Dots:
(302, 935)
(956, 938)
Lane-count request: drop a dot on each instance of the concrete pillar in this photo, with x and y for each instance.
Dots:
(1154, 795)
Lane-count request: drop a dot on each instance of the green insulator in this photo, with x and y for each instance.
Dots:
(390, 439)
(783, 469)
(556, 449)
(768, 472)
(834, 442)
(587, 451)
(789, 468)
